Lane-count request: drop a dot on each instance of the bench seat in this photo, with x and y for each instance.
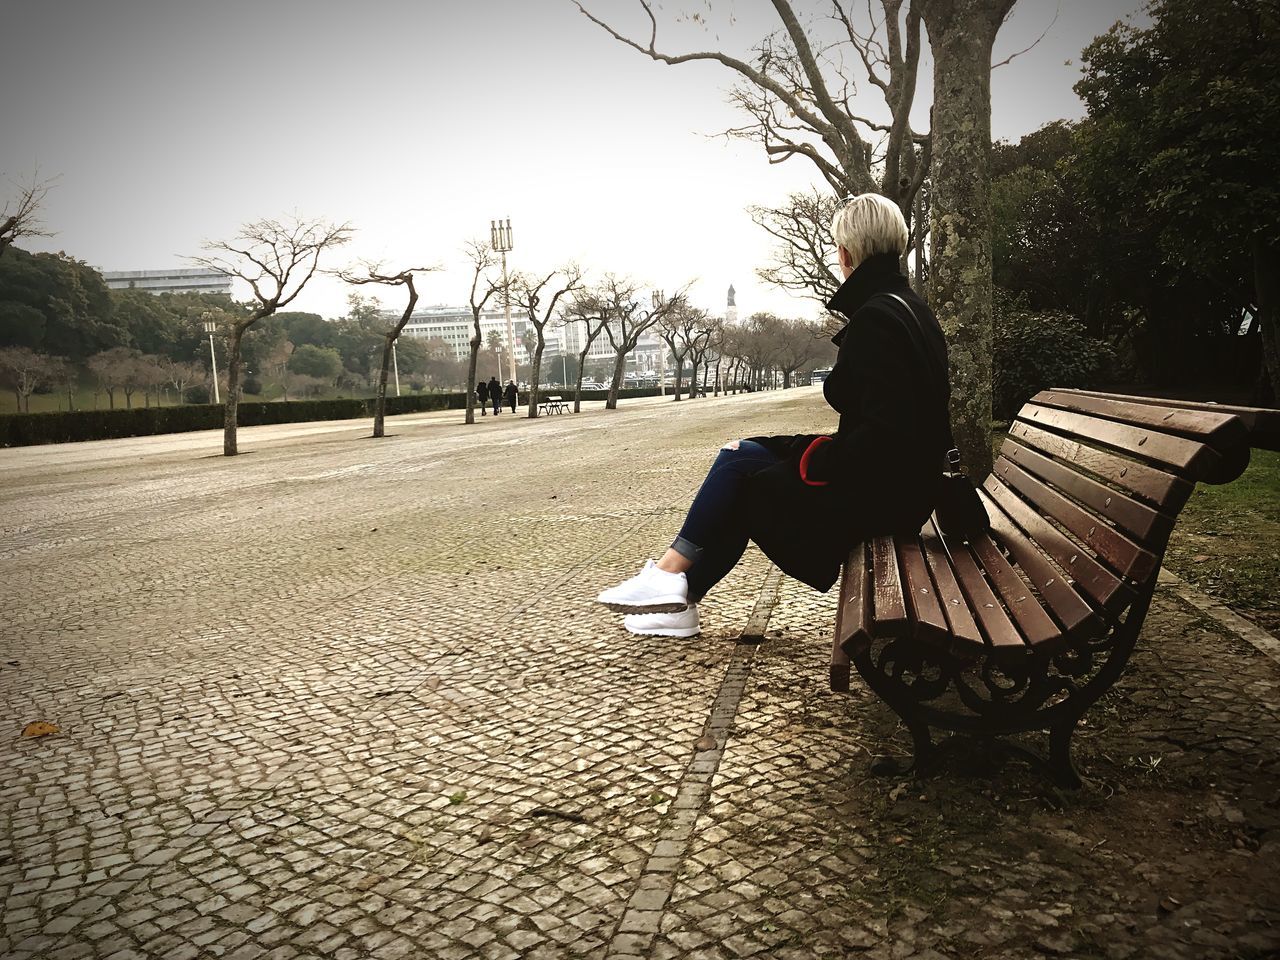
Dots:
(1024, 627)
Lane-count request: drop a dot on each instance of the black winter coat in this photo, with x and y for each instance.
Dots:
(884, 464)
(510, 394)
(482, 391)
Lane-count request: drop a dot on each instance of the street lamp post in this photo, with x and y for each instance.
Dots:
(210, 326)
(500, 237)
(395, 365)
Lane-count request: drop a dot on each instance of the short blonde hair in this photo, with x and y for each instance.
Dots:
(869, 224)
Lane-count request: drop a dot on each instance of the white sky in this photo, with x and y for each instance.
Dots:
(173, 121)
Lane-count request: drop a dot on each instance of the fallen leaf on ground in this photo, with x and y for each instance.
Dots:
(705, 743)
(40, 728)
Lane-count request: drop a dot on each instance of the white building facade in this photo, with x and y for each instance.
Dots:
(178, 280)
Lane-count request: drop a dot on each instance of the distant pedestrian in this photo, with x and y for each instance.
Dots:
(511, 395)
(495, 395)
(482, 394)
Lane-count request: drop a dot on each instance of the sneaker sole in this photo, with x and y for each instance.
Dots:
(661, 605)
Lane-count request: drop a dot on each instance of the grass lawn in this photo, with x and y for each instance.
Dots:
(1227, 541)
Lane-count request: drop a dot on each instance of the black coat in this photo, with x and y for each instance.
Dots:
(510, 394)
(482, 391)
(495, 390)
(884, 463)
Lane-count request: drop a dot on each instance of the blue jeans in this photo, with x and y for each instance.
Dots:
(714, 534)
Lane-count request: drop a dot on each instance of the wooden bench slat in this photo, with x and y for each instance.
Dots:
(1145, 523)
(1099, 583)
(1220, 430)
(887, 601)
(1168, 492)
(853, 616)
(931, 624)
(966, 637)
(1262, 423)
(1066, 605)
(987, 609)
(1033, 622)
(1120, 553)
(1190, 457)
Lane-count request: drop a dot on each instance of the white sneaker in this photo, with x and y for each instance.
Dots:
(650, 591)
(683, 623)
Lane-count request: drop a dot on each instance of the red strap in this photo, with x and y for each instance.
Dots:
(804, 462)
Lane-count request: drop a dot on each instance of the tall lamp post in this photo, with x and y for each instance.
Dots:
(210, 327)
(500, 237)
(395, 365)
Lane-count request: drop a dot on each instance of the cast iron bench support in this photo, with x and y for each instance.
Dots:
(1024, 628)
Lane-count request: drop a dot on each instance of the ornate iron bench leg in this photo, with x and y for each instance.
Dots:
(924, 752)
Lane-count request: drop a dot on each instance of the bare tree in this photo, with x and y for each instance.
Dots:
(150, 374)
(629, 320)
(276, 259)
(20, 217)
(374, 273)
(591, 310)
(799, 101)
(181, 374)
(685, 329)
(804, 260)
(799, 342)
(22, 370)
(528, 295)
(111, 368)
(484, 285)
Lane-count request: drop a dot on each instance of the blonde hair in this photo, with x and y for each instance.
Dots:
(869, 224)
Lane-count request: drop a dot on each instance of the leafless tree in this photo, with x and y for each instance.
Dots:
(800, 343)
(22, 370)
(111, 369)
(368, 273)
(629, 319)
(150, 374)
(20, 217)
(484, 285)
(804, 259)
(181, 374)
(685, 329)
(528, 293)
(276, 259)
(798, 96)
(591, 310)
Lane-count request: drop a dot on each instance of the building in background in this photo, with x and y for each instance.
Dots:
(453, 326)
(178, 280)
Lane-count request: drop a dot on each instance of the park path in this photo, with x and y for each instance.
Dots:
(350, 698)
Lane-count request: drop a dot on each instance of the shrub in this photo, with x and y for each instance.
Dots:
(1034, 351)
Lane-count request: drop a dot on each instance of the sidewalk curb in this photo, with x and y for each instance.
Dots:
(1246, 630)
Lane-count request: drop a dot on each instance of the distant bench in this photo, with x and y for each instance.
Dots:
(552, 405)
(1024, 628)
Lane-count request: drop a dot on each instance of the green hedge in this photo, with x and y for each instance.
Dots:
(26, 429)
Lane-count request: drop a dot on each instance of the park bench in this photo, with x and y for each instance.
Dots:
(552, 405)
(1024, 628)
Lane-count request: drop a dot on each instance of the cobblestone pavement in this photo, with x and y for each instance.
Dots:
(350, 698)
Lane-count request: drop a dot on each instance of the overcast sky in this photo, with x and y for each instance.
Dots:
(173, 121)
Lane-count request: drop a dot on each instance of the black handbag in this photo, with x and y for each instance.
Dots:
(959, 511)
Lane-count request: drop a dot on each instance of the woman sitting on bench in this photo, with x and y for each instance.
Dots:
(806, 500)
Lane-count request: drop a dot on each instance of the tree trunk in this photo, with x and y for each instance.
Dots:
(380, 404)
(679, 358)
(535, 375)
(1266, 284)
(231, 408)
(471, 377)
(619, 368)
(961, 33)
